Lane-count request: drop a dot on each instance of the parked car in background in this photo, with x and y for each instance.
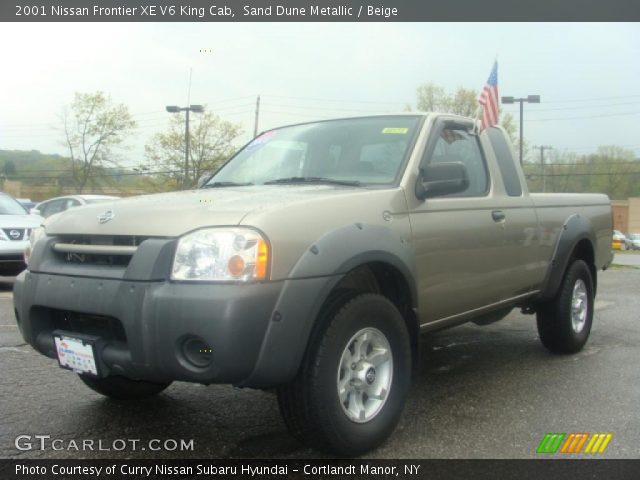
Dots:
(15, 227)
(26, 203)
(633, 241)
(618, 241)
(60, 204)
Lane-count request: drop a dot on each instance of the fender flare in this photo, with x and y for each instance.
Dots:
(575, 229)
(309, 284)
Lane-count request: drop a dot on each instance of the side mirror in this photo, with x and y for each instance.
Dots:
(35, 211)
(442, 179)
(203, 178)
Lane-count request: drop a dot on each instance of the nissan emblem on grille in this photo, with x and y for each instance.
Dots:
(106, 216)
(15, 234)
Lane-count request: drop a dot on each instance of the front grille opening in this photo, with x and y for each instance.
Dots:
(101, 240)
(109, 328)
(123, 240)
(109, 260)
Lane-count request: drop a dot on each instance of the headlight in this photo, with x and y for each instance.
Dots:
(221, 254)
(35, 235)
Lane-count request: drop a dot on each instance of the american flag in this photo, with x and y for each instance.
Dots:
(488, 99)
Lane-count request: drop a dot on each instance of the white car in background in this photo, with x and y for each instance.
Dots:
(15, 226)
(60, 204)
(633, 241)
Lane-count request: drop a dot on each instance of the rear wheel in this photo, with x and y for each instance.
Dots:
(121, 388)
(350, 391)
(564, 323)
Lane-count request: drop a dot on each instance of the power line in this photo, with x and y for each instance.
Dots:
(622, 114)
(582, 107)
(332, 109)
(619, 97)
(335, 100)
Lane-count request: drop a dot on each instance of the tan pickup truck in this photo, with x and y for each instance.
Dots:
(311, 262)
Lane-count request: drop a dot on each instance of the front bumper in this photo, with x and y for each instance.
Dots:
(11, 251)
(144, 326)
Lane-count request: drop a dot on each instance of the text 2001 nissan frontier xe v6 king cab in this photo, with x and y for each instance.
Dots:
(311, 262)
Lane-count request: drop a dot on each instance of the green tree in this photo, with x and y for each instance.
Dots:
(614, 166)
(210, 145)
(93, 125)
(611, 170)
(9, 168)
(433, 98)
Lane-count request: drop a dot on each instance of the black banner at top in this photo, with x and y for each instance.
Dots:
(317, 10)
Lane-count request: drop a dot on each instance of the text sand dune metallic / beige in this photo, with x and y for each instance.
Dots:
(311, 262)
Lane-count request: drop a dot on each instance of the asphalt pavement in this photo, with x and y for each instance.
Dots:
(483, 392)
(628, 259)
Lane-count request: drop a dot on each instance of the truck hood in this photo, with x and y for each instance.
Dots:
(173, 214)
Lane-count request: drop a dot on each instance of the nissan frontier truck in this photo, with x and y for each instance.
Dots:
(310, 263)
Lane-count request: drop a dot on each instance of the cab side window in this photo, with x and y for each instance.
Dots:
(459, 146)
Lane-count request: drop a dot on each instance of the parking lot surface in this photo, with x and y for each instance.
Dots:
(483, 392)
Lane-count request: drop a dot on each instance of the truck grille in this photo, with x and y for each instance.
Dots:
(16, 233)
(97, 250)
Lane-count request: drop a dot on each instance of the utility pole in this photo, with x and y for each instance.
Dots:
(255, 125)
(544, 178)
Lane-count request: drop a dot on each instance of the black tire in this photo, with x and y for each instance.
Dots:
(554, 318)
(121, 388)
(310, 404)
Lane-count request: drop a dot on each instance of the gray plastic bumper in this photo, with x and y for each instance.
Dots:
(257, 333)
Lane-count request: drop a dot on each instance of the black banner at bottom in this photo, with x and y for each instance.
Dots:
(166, 469)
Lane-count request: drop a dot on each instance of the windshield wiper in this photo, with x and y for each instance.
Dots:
(226, 184)
(349, 183)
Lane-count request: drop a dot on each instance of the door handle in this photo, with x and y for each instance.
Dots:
(498, 216)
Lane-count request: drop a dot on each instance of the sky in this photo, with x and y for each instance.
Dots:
(588, 75)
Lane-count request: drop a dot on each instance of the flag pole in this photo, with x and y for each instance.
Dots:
(476, 118)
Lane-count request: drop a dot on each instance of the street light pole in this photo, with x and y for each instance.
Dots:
(187, 145)
(187, 137)
(520, 143)
(521, 101)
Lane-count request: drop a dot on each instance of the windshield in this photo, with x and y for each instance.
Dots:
(9, 206)
(352, 151)
(635, 236)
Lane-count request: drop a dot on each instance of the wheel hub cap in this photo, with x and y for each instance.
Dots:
(579, 306)
(371, 376)
(364, 375)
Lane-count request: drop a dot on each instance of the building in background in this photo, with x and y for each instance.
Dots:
(626, 215)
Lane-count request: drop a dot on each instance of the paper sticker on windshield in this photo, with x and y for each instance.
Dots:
(261, 140)
(396, 130)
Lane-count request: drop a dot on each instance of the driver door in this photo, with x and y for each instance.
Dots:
(457, 237)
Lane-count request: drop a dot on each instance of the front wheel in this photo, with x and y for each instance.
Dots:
(564, 323)
(121, 388)
(351, 388)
